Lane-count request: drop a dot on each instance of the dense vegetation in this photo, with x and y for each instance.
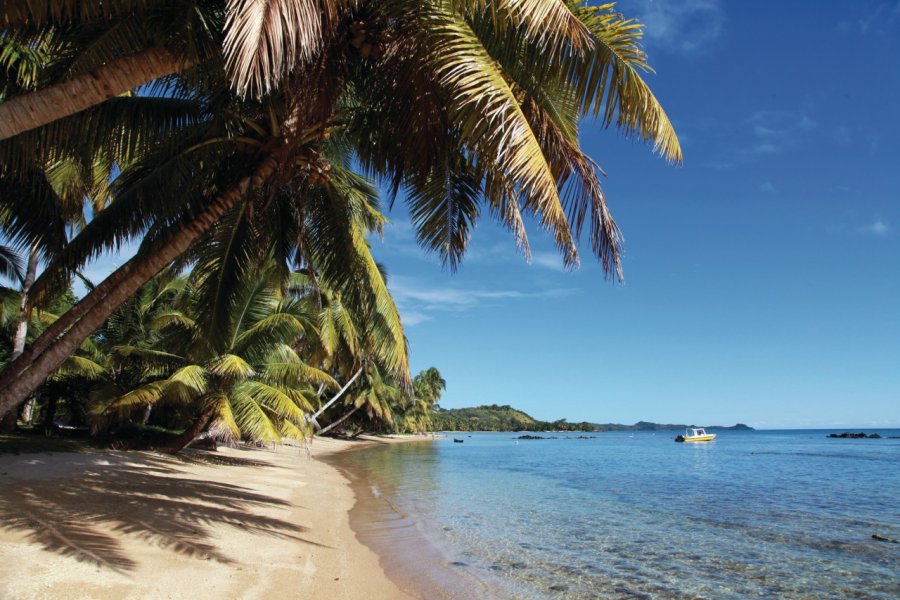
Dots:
(242, 145)
(647, 426)
(498, 418)
(505, 418)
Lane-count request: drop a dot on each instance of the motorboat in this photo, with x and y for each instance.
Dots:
(695, 434)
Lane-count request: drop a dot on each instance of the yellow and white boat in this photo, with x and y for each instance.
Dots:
(695, 434)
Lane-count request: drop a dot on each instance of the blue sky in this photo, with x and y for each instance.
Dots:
(762, 276)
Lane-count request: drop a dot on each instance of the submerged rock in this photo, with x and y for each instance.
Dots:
(855, 436)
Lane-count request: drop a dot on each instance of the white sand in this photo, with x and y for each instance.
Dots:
(226, 524)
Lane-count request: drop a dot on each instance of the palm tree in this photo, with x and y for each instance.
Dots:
(82, 54)
(241, 376)
(136, 338)
(429, 385)
(441, 98)
(376, 395)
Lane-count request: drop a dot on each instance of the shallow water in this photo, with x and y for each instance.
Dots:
(787, 514)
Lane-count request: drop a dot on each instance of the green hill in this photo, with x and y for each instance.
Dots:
(495, 417)
(498, 418)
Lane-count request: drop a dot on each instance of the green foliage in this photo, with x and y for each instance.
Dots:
(267, 113)
(498, 418)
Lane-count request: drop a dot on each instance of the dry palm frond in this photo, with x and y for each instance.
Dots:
(265, 39)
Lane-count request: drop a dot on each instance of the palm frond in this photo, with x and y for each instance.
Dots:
(608, 80)
(488, 115)
(264, 40)
(230, 366)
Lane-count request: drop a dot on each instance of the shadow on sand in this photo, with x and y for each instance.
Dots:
(140, 495)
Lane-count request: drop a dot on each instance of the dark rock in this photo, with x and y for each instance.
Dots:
(881, 538)
(530, 437)
(459, 563)
(558, 588)
(854, 436)
(874, 436)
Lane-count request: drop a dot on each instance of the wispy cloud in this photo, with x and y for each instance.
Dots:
(412, 318)
(842, 135)
(879, 20)
(878, 228)
(683, 26)
(767, 187)
(774, 131)
(419, 302)
(548, 260)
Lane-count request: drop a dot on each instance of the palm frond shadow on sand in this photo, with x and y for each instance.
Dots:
(85, 515)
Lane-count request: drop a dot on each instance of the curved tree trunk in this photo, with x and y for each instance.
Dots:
(74, 95)
(104, 299)
(339, 421)
(191, 433)
(8, 424)
(334, 399)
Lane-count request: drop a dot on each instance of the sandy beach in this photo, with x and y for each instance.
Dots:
(232, 524)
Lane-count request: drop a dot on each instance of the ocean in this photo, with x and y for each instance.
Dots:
(780, 514)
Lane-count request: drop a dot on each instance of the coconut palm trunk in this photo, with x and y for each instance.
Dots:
(334, 399)
(74, 95)
(339, 421)
(25, 374)
(8, 424)
(190, 434)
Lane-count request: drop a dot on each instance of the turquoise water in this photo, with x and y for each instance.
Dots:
(786, 514)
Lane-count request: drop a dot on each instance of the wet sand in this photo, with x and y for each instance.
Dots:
(233, 523)
(411, 550)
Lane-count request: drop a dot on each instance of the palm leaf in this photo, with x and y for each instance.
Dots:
(264, 39)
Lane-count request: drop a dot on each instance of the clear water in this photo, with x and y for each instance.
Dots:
(786, 514)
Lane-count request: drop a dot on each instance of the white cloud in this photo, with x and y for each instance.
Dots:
(548, 260)
(413, 318)
(677, 25)
(767, 187)
(420, 302)
(774, 131)
(879, 228)
(881, 20)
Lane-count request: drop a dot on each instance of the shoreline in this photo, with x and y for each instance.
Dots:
(245, 523)
(410, 547)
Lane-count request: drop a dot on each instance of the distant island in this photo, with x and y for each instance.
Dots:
(495, 417)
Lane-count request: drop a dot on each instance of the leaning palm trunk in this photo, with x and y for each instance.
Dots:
(338, 422)
(24, 375)
(74, 95)
(333, 400)
(8, 423)
(190, 434)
